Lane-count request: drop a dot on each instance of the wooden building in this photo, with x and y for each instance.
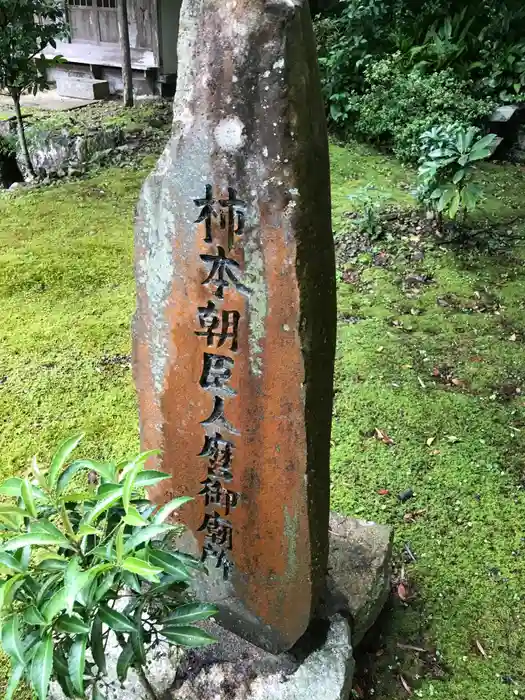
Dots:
(92, 51)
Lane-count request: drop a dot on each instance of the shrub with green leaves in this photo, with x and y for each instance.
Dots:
(467, 50)
(448, 158)
(79, 565)
(398, 106)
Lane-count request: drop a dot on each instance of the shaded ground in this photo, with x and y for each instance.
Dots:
(429, 398)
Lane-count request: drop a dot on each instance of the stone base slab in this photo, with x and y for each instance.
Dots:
(248, 673)
(319, 667)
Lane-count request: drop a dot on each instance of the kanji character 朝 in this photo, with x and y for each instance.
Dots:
(223, 325)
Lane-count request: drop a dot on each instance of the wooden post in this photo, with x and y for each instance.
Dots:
(125, 52)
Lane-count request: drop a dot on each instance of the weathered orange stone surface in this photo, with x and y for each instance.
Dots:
(235, 326)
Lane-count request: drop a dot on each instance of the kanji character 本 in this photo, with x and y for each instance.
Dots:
(221, 557)
(218, 530)
(207, 212)
(222, 273)
(231, 206)
(217, 418)
(216, 373)
(215, 494)
(220, 456)
(218, 324)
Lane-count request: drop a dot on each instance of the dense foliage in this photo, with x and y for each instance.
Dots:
(432, 62)
(397, 105)
(80, 565)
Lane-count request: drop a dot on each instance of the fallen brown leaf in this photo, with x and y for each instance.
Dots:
(436, 372)
(457, 382)
(405, 685)
(383, 492)
(430, 441)
(481, 650)
(411, 517)
(383, 437)
(403, 592)
(409, 647)
(358, 692)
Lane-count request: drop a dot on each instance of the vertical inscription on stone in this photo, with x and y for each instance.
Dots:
(234, 335)
(219, 326)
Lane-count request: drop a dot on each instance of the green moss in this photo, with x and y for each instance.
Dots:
(458, 442)
(102, 115)
(67, 294)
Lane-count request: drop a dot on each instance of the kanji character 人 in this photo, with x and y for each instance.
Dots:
(217, 418)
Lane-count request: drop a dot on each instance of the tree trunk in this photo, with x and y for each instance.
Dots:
(125, 52)
(22, 135)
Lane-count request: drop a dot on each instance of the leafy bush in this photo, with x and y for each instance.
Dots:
(506, 78)
(397, 106)
(473, 56)
(449, 154)
(81, 564)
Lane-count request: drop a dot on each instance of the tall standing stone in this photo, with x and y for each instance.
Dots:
(235, 327)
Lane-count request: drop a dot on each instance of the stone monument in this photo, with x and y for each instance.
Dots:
(235, 328)
(234, 339)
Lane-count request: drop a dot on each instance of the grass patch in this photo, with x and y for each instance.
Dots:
(67, 293)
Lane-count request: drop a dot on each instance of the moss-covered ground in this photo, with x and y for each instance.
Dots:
(438, 368)
(441, 380)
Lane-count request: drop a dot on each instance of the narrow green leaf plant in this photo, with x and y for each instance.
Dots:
(81, 566)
